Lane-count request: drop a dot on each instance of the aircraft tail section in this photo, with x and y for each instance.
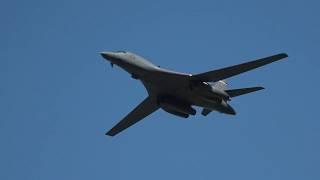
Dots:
(232, 93)
(242, 91)
(221, 85)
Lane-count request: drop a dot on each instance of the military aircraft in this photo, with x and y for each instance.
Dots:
(176, 92)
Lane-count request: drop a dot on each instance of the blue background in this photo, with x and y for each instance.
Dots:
(59, 97)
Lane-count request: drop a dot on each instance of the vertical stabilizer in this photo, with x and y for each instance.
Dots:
(222, 85)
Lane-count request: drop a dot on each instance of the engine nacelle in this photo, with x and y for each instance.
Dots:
(174, 106)
(177, 113)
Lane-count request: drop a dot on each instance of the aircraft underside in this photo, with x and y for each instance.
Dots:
(182, 106)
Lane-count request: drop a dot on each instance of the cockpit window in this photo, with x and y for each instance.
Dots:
(121, 51)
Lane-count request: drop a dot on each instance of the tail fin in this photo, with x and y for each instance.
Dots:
(222, 85)
(239, 92)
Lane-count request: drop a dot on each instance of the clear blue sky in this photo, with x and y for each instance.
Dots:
(59, 97)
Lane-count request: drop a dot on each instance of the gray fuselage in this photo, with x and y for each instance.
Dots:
(174, 91)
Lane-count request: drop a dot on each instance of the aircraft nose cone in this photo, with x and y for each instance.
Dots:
(107, 55)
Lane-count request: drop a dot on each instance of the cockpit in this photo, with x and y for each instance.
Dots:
(120, 51)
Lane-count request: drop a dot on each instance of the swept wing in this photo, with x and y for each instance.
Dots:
(224, 73)
(144, 109)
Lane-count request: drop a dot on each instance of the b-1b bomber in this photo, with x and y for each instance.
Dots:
(176, 92)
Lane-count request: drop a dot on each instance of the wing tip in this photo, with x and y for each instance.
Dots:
(109, 133)
(283, 55)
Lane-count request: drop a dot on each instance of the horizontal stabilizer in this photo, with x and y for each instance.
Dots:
(216, 75)
(239, 92)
